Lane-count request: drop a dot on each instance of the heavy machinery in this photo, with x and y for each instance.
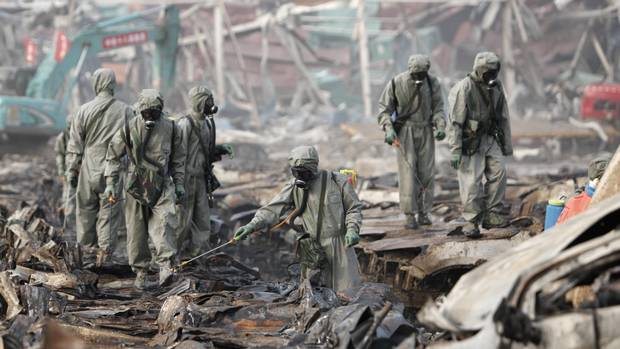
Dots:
(601, 102)
(43, 110)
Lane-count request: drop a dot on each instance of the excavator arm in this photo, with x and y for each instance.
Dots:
(43, 111)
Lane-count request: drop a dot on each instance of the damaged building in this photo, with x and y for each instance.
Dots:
(310, 72)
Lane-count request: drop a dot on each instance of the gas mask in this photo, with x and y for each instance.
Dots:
(210, 108)
(490, 77)
(150, 116)
(302, 175)
(419, 77)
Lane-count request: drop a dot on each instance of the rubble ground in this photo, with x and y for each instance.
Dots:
(50, 286)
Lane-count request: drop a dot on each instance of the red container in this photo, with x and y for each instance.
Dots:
(601, 102)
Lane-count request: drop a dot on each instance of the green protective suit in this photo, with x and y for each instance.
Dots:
(68, 192)
(195, 213)
(482, 137)
(92, 128)
(164, 148)
(342, 210)
(419, 109)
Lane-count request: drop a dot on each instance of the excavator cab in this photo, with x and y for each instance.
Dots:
(14, 80)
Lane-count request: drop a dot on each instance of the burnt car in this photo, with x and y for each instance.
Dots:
(560, 289)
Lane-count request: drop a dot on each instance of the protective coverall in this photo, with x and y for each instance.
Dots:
(341, 218)
(156, 156)
(416, 99)
(68, 191)
(479, 138)
(92, 128)
(198, 133)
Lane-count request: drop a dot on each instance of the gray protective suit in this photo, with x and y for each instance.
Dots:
(198, 134)
(92, 128)
(68, 192)
(165, 149)
(342, 210)
(418, 109)
(480, 132)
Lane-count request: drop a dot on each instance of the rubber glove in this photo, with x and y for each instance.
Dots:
(440, 134)
(390, 136)
(243, 232)
(229, 150)
(109, 193)
(179, 190)
(456, 161)
(72, 177)
(352, 237)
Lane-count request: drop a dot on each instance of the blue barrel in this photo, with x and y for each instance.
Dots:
(554, 209)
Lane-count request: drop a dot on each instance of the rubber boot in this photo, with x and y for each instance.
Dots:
(471, 230)
(166, 276)
(494, 220)
(140, 281)
(410, 222)
(423, 219)
(103, 259)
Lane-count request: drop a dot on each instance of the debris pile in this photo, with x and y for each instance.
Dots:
(219, 302)
(29, 179)
(542, 292)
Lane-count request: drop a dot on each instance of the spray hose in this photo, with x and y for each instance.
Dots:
(290, 218)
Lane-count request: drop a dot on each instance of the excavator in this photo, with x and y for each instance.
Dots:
(42, 111)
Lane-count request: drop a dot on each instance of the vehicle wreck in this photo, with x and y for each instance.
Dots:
(554, 290)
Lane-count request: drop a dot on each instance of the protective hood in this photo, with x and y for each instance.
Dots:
(149, 99)
(199, 96)
(103, 79)
(306, 157)
(484, 62)
(418, 64)
(597, 167)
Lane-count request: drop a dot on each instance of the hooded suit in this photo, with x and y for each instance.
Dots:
(198, 134)
(342, 211)
(92, 128)
(480, 132)
(419, 109)
(156, 154)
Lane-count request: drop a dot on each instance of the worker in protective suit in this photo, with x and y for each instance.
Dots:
(97, 220)
(331, 214)
(411, 114)
(155, 181)
(68, 191)
(198, 134)
(480, 138)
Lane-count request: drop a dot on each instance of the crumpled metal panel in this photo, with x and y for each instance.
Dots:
(488, 284)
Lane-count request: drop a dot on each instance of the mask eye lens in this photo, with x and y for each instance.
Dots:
(419, 76)
(301, 173)
(150, 114)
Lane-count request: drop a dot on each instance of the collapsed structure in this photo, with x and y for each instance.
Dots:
(293, 73)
